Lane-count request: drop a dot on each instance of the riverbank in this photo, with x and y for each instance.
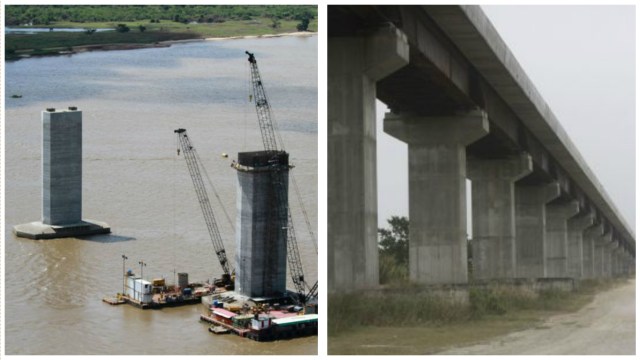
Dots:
(406, 326)
(157, 34)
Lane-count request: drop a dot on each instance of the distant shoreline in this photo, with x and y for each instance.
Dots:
(160, 44)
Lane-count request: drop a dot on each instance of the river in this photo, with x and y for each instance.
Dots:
(134, 181)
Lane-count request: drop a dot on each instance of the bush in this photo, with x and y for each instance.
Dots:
(122, 28)
(304, 25)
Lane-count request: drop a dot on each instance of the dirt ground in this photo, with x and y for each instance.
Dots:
(604, 327)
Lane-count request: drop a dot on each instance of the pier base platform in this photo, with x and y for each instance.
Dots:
(37, 230)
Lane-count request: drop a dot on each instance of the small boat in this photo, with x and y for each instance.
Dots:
(219, 330)
(16, 96)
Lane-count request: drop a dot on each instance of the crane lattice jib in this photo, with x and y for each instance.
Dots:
(313, 292)
(263, 108)
(190, 156)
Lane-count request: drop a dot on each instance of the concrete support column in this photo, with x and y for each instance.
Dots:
(531, 203)
(437, 192)
(355, 65)
(609, 258)
(617, 262)
(576, 227)
(556, 239)
(614, 262)
(590, 237)
(494, 216)
(600, 251)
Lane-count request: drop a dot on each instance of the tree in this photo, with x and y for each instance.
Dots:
(304, 24)
(275, 22)
(393, 247)
(122, 28)
(142, 28)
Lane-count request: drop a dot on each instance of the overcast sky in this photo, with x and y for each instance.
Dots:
(582, 60)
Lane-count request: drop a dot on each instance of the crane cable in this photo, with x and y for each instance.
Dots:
(206, 175)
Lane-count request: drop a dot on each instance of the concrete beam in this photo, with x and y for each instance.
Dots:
(531, 203)
(493, 210)
(576, 227)
(556, 239)
(355, 64)
(471, 31)
(437, 192)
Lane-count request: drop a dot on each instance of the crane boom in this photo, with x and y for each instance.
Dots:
(263, 110)
(193, 164)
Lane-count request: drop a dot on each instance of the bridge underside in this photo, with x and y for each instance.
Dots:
(448, 79)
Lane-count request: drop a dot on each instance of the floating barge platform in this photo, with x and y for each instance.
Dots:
(262, 327)
(259, 319)
(156, 295)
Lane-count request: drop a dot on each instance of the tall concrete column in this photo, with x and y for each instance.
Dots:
(600, 258)
(590, 237)
(437, 192)
(494, 217)
(576, 227)
(355, 65)
(609, 257)
(531, 203)
(556, 239)
(617, 261)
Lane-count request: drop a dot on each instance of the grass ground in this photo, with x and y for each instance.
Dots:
(49, 43)
(405, 324)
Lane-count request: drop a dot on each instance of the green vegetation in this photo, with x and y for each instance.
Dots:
(155, 23)
(16, 15)
(393, 247)
(426, 324)
(55, 42)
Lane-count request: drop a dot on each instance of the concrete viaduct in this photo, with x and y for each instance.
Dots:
(467, 110)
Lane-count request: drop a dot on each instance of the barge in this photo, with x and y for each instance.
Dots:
(156, 294)
(259, 319)
(263, 326)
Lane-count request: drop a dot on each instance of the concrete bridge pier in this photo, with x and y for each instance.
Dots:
(356, 63)
(531, 203)
(590, 237)
(576, 227)
(617, 261)
(629, 264)
(610, 255)
(556, 244)
(437, 191)
(494, 214)
(601, 247)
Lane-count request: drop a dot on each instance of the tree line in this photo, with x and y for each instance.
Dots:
(16, 15)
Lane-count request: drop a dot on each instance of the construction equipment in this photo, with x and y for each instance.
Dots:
(266, 124)
(194, 165)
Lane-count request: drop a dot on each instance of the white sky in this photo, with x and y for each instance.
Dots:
(582, 60)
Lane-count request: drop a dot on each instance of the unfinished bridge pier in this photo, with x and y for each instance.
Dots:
(468, 112)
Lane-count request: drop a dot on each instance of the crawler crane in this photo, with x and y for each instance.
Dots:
(194, 166)
(263, 110)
